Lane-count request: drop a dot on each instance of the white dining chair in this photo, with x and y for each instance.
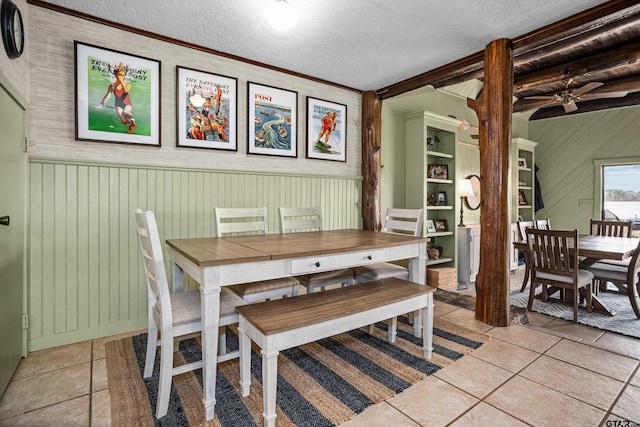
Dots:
(407, 222)
(252, 221)
(172, 316)
(294, 220)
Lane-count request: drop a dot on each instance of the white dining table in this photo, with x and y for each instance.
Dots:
(224, 261)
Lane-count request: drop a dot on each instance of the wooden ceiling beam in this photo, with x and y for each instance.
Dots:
(623, 55)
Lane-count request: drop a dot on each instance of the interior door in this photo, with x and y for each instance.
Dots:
(13, 161)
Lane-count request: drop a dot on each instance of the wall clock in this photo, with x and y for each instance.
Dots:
(12, 29)
(473, 203)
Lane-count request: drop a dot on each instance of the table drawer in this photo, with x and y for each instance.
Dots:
(332, 262)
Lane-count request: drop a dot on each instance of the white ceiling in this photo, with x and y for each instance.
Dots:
(362, 44)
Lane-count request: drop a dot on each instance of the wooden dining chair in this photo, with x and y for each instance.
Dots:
(625, 278)
(522, 230)
(172, 316)
(611, 228)
(293, 220)
(252, 221)
(407, 222)
(553, 265)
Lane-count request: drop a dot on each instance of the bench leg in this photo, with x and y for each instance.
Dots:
(269, 383)
(245, 360)
(417, 323)
(427, 327)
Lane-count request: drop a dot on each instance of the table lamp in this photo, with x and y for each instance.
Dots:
(464, 190)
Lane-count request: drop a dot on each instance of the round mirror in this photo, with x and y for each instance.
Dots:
(473, 203)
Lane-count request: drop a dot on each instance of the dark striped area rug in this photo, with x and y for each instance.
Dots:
(324, 383)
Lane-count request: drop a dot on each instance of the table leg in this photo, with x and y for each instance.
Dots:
(269, 387)
(418, 274)
(427, 327)
(210, 306)
(177, 278)
(245, 358)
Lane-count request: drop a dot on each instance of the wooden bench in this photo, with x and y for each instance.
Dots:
(289, 322)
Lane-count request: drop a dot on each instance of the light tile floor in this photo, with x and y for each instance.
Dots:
(548, 373)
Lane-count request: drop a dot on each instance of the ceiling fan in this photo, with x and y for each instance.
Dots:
(568, 97)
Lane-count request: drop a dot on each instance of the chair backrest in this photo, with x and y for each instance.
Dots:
(633, 273)
(522, 228)
(551, 250)
(153, 259)
(403, 221)
(241, 221)
(611, 228)
(300, 219)
(543, 224)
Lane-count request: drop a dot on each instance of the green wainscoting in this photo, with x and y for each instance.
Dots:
(85, 275)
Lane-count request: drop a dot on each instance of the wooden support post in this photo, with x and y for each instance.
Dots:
(371, 165)
(494, 110)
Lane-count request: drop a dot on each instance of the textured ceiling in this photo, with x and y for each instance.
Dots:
(362, 44)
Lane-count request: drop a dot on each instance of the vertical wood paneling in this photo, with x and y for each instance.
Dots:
(566, 151)
(86, 278)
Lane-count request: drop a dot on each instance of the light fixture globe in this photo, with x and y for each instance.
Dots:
(281, 15)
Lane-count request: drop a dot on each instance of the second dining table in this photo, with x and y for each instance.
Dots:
(224, 261)
(596, 248)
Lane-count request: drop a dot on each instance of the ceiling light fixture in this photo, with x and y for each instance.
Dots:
(281, 15)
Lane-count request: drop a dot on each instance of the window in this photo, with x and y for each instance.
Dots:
(619, 191)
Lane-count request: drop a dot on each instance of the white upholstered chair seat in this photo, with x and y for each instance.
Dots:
(336, 276)
(583, 276)
(185, 306)
(265, 289)
(384, 270)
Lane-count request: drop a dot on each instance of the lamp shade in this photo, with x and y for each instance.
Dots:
(465, 189)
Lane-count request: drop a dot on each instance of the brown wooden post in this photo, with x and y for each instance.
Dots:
(494, 110)
(371, 166)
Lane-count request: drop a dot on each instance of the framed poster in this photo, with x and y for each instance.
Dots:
(272, 121)
(207, 110)
(117, 96)
(326, 130)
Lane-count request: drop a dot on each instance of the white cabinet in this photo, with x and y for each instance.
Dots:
(430, 159)
(468, 254)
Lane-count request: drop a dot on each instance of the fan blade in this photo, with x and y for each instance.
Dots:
(591, 96)
(528, 104)
(541, 97)
(586, 88)
(570, 107)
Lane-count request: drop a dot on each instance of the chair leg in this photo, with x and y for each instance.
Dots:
(526, 279)
(532, 294)
(393, 328)
(222, 340)
(589, 297)
(166, 368)
(152, 347)
(576, 297)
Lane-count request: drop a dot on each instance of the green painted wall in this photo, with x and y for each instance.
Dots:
(86, 277)
(567, 148)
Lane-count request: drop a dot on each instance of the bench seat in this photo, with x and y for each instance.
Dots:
(289, 322)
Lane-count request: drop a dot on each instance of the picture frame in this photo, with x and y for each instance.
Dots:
(207, 105)
(272, 117)
(117, 96)
(438, 171)
(326, 130)
(441, 225)
(522, 162)
(522, 200)
(431, 227)
(441, 199)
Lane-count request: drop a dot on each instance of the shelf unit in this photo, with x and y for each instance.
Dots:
(524, 179)
(430, 145)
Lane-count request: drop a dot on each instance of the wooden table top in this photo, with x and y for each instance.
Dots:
(210, 251)
(601, 247)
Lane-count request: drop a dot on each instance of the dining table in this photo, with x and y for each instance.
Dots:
(592, 249)
(223, 261)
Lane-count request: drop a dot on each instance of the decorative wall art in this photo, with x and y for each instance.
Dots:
(117, 96)
(326, 130)
(207, 110)
(272, 121)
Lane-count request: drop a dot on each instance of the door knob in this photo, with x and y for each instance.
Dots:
(4, 220)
